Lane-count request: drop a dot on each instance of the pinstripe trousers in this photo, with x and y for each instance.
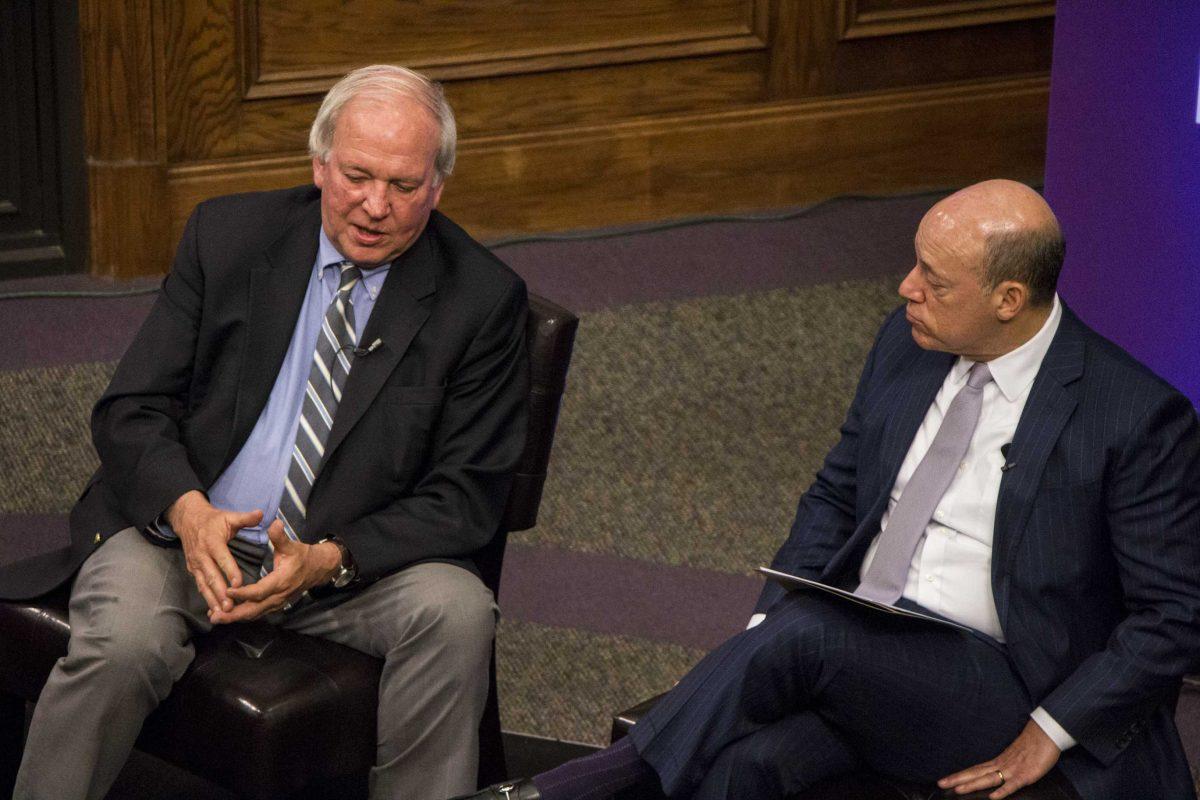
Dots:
(823, 687)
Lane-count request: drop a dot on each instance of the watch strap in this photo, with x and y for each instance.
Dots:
(347, 569)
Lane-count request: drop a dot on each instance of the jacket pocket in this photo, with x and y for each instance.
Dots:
(412, 413)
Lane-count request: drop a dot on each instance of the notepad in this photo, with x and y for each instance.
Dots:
(796, 583)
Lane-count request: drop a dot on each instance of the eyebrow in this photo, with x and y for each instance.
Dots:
(924, 265)
(352, 167)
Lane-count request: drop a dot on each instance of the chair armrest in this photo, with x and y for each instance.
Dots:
(624, 720)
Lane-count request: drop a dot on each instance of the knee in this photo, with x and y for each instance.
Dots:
(744, 770)
(139, 649)
(789, 657)
(458, 611)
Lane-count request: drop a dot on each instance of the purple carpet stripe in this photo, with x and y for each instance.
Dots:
(843, 239)
(612, 595)
(26, 535)
(65, 331)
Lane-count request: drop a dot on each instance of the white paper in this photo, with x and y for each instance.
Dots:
(794, 582)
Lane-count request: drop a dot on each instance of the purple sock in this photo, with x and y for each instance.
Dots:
(595, 777)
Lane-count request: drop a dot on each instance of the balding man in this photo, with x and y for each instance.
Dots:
(316, 425)
(1001, 466)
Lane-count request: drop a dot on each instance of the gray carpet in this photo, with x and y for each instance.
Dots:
(691, 428)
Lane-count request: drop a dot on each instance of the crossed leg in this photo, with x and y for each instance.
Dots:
(778, 760)
(905, 698)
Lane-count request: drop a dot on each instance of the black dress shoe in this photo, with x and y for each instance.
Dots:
(520, 789)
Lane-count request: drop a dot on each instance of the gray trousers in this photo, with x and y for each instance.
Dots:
(135, 609)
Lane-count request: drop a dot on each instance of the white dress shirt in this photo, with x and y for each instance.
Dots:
(950, 572)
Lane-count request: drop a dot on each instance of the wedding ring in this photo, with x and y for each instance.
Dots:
(1002, 778)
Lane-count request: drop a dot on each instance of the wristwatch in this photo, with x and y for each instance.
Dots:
(347, 569)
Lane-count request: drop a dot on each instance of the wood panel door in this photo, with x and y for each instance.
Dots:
(43, 222)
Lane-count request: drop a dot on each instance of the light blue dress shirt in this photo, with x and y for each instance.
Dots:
(254, 479)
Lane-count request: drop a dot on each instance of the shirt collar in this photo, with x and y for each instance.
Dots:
(1014, 371)
(328, 258)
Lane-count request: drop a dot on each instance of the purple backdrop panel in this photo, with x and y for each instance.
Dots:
(1123, 175)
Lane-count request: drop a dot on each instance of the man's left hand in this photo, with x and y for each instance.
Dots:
(1023, 762)
(298, 568)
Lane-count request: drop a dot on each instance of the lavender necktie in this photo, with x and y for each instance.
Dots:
(885, 579)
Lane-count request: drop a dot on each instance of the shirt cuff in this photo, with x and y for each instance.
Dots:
(754, 620)
(1063, 740)
(159, 528)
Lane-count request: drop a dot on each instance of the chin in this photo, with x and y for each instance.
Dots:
(923, 341)
(366, 256)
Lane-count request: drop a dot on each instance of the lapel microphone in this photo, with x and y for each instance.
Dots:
(362, 352)
(1004, 452)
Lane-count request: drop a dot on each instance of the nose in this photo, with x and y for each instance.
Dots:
(375, 201)
(910, 287)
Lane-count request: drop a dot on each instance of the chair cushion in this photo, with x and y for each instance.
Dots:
(248, 692)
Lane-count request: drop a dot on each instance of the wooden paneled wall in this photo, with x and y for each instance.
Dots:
(572, 113)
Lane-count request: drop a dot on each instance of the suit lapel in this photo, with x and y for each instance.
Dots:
(395, 320)
(277, 287)
(1050, 405)
(908, 398)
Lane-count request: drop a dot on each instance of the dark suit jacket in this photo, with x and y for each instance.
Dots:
(427, 435)
(1096, 554)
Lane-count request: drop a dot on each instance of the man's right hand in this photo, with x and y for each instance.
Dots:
(204, 532)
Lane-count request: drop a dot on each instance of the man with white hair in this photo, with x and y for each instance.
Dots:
(317, 425)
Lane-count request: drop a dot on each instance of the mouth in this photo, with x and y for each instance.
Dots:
(367, 237)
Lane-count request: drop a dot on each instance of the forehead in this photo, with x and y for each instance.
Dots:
(949, 242)
(391, 128)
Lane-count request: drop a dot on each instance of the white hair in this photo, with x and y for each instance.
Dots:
(385, 81)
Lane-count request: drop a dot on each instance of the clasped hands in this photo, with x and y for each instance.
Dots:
(204, 532)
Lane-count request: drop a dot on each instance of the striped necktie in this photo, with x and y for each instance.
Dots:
(322, 394)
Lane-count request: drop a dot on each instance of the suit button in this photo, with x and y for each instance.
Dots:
(97, 539)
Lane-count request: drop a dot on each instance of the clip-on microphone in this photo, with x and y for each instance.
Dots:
(366, 351)
(1004, 452)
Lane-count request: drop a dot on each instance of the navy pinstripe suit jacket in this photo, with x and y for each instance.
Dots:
(1096, 559)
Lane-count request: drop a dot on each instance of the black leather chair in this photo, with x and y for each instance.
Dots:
(862, 786)
(304, 707)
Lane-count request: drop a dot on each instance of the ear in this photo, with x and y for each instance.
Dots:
(1011, 298)
(437, 194)
(318, 172)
